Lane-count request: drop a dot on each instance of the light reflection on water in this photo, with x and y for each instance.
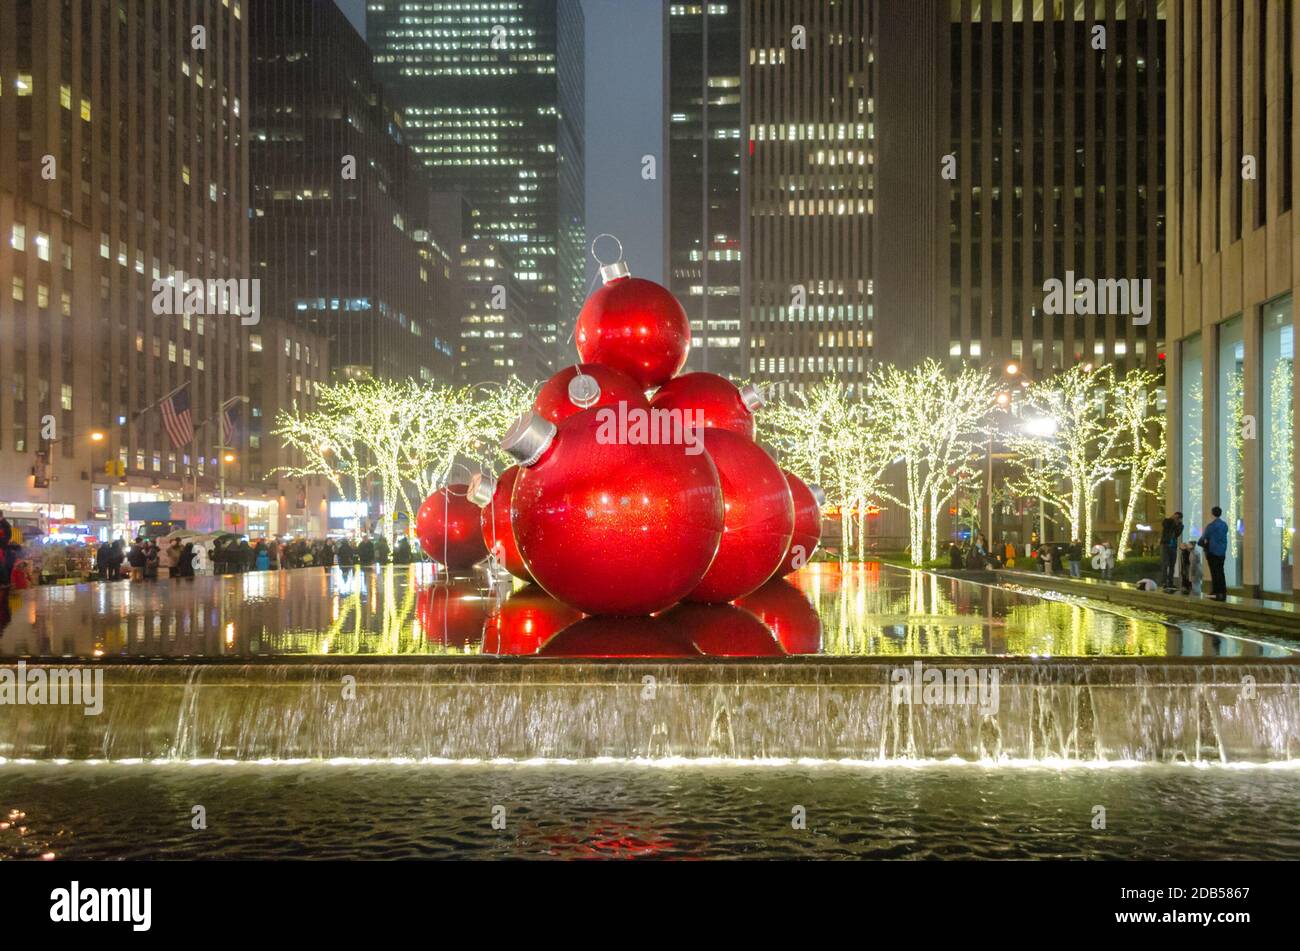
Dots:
(828, 609)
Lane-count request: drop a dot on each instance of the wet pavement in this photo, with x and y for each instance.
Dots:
(857, 610)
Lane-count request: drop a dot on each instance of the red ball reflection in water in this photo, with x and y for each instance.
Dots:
(526, 621)
(788, 614)
(721, 630)
(601, 636)
(451, 615)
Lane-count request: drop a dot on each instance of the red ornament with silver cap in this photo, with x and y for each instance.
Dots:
(759, 519)
(492, 496)
(808, 502)
(720, 403)
(585, 386)
(635, 326)
(447, 526)
(612, 527)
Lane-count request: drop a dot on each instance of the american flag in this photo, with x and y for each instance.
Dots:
(228, 427)
(177, 419)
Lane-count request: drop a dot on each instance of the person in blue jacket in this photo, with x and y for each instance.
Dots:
(1215, 542)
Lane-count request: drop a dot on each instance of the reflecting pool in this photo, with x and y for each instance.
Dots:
(645, 811)
(855, 610)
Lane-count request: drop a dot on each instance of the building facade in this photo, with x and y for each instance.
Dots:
(1233, 276)
(705, 161)
(493, 111)
(806, 186)
(122, 135)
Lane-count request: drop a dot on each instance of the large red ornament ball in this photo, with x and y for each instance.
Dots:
(525, 621)
(759, 519)
(807, 524)
(635, 326)
(720, 402)
(555, 400)
(788, 614)
(498, 536)
(612, 527)
(447, 526)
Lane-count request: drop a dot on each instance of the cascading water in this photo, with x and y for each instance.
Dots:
(1087, 711)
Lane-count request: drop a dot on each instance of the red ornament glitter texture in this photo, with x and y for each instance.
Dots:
(447, 526)
(554, 400)
(635, 326)
(722, 404)
(498, 536)
(759, 519)
(807, 525)
(612, 527)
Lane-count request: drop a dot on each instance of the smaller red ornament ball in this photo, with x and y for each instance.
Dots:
(494, 518)
(635, 326)
(758, 521)
(609, 526)
(807, 523)
(525, 621)
(720, 403)
(447, 526)
(789, 614)
(560, 396)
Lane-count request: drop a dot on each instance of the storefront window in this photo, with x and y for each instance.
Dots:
(1191, 436)
(1232, 392)
(1277, 524)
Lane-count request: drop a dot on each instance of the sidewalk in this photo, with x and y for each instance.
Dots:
(1277, 617)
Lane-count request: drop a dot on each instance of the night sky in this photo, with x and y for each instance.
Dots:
(626, 65)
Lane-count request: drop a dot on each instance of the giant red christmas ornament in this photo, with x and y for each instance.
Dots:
(525, 621)
(719, 402)
(808, 502)
(612, 526)
(788, 614)
(498, 536)
(635, 326)
(759, 519)
(447, 526)
(586, 386)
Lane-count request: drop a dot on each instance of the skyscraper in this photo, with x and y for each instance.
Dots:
(122, 136)
(495, 112)
(705, 203)
(807, 99)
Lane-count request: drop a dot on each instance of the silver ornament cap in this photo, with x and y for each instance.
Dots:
(529, 437)
(818, 494)
(752, 397)
(481, 489)
(612, 272)
(584, 391)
